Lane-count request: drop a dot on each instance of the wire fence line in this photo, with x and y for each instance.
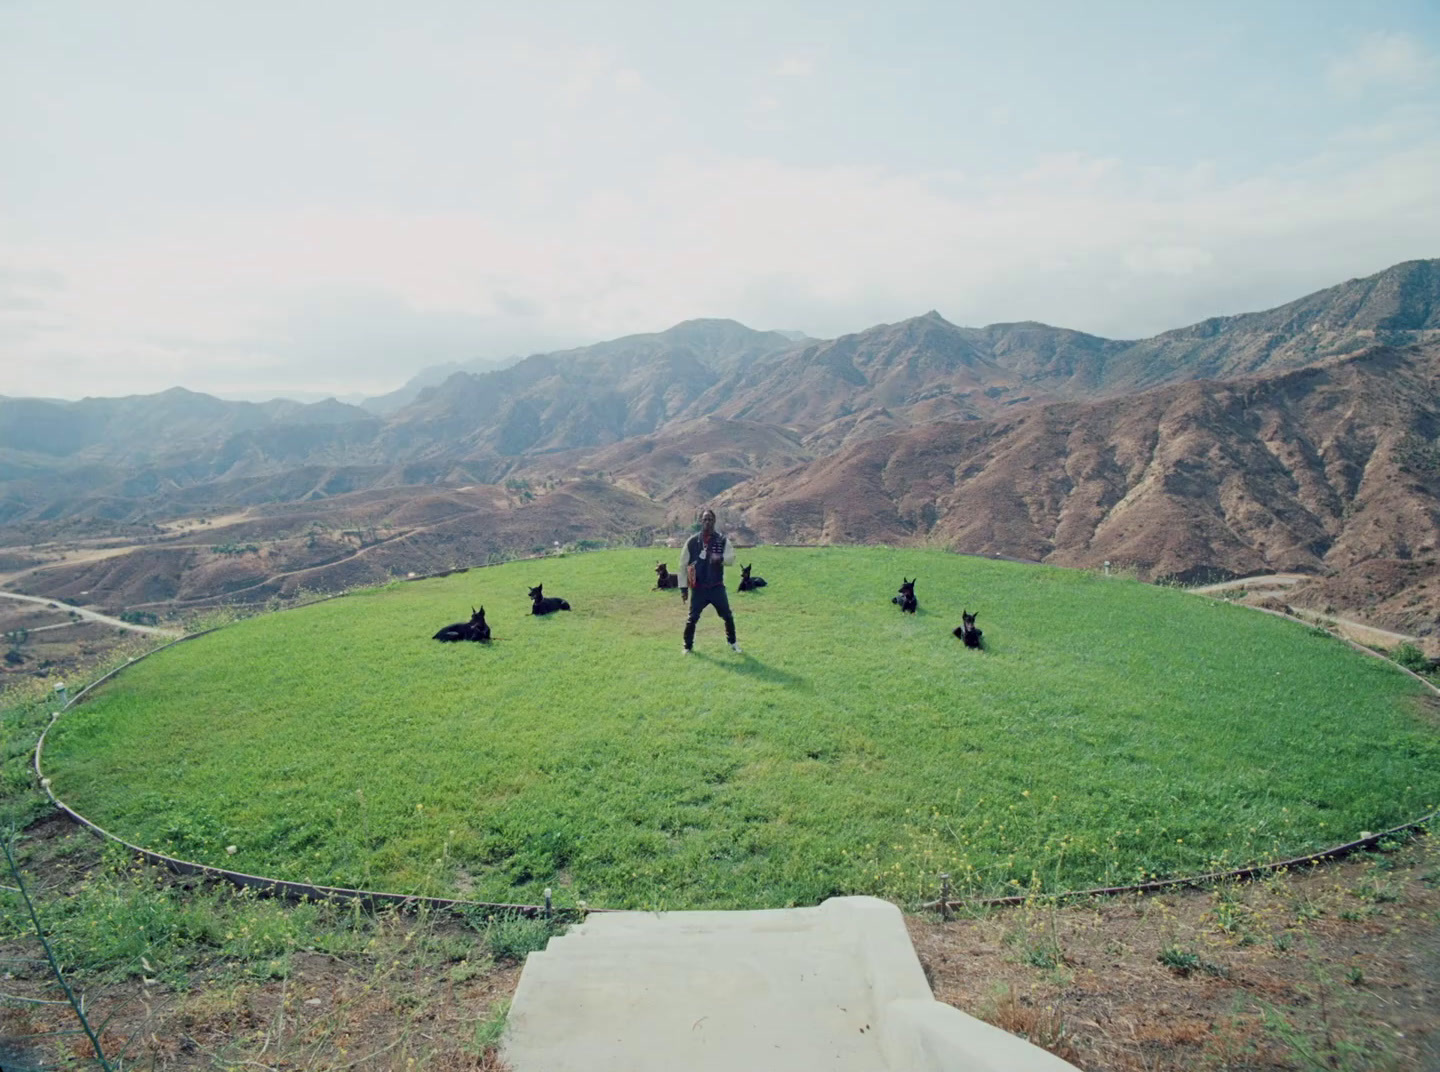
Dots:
(374, 898)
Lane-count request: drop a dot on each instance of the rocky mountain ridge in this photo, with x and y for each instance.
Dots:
(1320, 470)
(829, 392)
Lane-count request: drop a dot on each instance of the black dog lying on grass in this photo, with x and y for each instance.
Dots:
(966, 630)
(539, 604)
(906, 599)
(664, 578)
(475, 629)
(749, 583)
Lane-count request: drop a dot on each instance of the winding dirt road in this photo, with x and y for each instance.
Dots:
(1359, 631)
(94, 616)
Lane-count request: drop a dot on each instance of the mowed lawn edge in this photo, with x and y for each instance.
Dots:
(1110, 731)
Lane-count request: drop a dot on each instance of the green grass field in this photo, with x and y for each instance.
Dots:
(1110, 731)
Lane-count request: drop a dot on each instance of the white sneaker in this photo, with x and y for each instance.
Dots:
(684, 651)
(736, 649)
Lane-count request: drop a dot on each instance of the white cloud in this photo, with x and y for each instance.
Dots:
(766, 113)
(1383, 60)
(628, 79)
(358, 300)
(1167, 260)
(795, 67)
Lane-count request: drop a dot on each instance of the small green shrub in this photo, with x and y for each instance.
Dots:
(1411, 658)
(1376, 892)
(1231, 916)
(234, 548)
(514, 938)
(1044, 956)
(1180, 961)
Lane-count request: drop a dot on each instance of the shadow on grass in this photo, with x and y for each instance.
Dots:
(750, 666)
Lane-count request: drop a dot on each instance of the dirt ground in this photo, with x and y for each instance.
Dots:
(1336, 967)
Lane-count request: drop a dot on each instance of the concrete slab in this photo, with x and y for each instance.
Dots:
(835, 987)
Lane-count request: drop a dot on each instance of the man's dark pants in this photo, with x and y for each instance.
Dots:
(700, 598)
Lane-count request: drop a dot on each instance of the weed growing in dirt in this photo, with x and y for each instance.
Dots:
(1042, 1025)
(489, 1029)
(1180, 961)
(126, 920)
(1327, 1034)
(513, 938)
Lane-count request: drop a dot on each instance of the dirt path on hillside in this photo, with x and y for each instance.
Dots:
(1359, 632)
(94, 616)
(357, 553)
(180, 528)
(70, 558)
(1268, 580)
(192, 524)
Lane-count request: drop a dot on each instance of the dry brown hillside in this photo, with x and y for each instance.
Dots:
(1330, 470)
(366, 538)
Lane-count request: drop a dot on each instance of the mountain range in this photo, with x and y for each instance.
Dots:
(1304, 438)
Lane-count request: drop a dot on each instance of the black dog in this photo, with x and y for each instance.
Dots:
(664, 578)
(475, 629)
(966, 630)
(749, 583)
(540, 605)
(906, 599)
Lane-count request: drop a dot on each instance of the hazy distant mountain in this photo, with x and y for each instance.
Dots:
(430, 376)
(434, 375)
(888, 376)
(589, 397)
(687, 462)
(896, 375)
(1397, 306)
(140, 428)
(827, 393)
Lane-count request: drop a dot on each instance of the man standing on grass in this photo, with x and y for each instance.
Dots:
(707, 553)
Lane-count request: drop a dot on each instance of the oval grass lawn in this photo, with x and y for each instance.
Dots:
(1110, 731)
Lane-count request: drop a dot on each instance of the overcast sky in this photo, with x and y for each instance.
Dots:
(307, 198)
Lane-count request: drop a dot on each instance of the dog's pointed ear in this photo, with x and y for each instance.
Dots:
(482, 610)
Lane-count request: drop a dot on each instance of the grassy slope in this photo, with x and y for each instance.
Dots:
(1111, 729)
